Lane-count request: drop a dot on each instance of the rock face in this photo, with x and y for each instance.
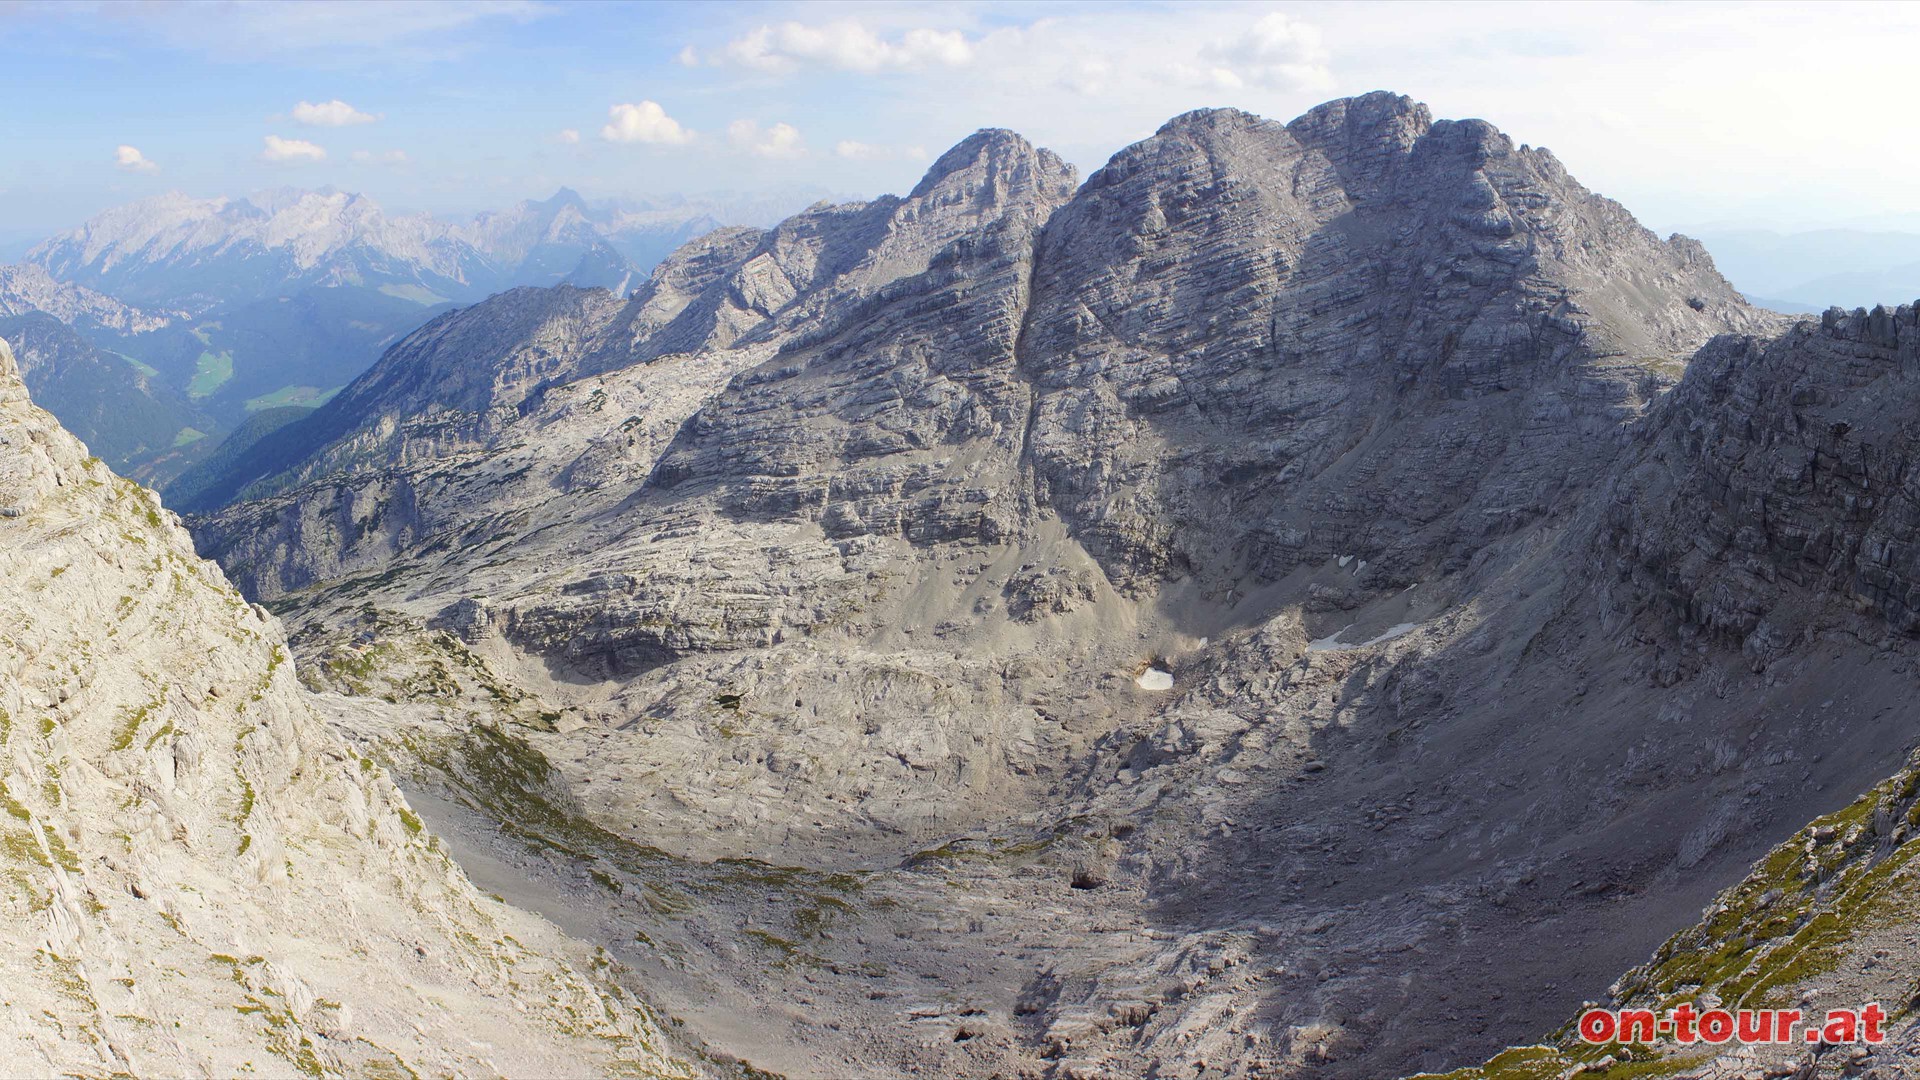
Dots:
(1777, 487)
(1260, 346)
(873, 540)
(197, 876)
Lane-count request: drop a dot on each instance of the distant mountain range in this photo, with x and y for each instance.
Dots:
(198, 254)
(28, 288)
(1810, 271)
(229, 307)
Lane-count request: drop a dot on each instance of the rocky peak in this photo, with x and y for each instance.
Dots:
(1473, 144)
(1365, 137)
(566, 196)
(1214, 136)
(1380, 118)
(1205, 125)
(999, 163)
(1230, 276)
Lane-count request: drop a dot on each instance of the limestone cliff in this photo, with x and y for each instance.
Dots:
(197, 876)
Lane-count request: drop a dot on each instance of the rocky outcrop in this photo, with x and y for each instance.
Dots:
(1259, 346)
(1773, 499)
(200, 876)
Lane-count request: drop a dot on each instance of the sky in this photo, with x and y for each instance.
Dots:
(1767, 114)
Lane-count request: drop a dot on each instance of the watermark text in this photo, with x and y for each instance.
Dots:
(1687, 1025)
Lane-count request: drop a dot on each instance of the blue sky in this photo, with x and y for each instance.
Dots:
(1767, 113)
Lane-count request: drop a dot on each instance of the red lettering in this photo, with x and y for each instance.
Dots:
(1597, 1026)
(1870, 1018)
(1687, 1025)
(1637, 1026)
(1683, 1016)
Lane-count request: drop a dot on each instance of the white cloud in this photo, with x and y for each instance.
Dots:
(388, 157)
(279, 149)
(567, 135)
(1089, 76)
(335, 113)
(1278, 53)
(778, 141)
(646, 122)
(845, 46)
(132, 160)
(854, 150)
(858, 151)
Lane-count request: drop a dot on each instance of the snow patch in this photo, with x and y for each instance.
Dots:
(1154, 679)
(1331, 643)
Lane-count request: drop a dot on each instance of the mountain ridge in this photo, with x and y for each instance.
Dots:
(874, 541)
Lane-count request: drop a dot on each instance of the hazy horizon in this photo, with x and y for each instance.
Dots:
(458, 106)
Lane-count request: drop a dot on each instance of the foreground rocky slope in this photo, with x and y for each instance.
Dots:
(1250, 613)
(1825, 921)
(199, 877)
